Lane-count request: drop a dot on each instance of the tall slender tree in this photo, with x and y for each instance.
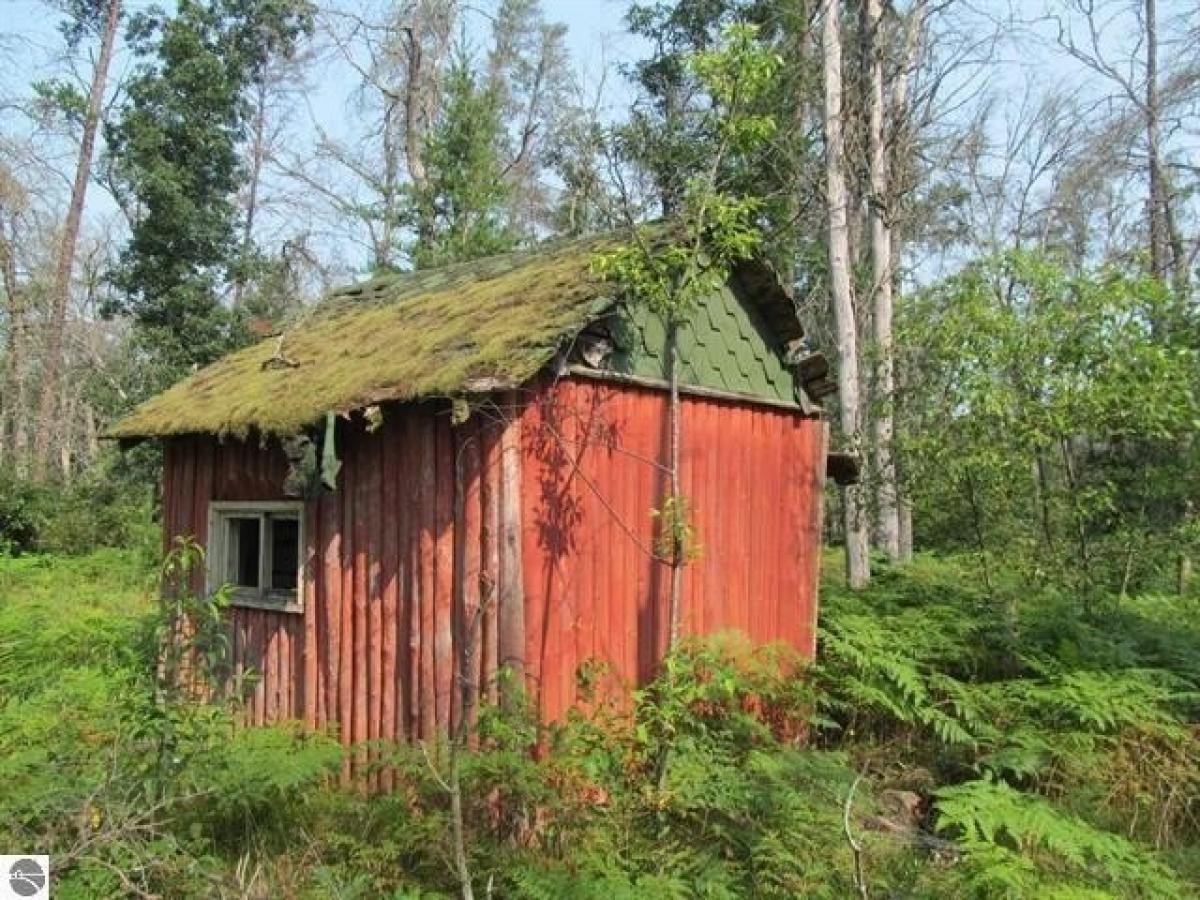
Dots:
(850, 399)
(14, 404)
(87, 16)
(878, 213)
(463, 200)
(670, 268)
(175, 156)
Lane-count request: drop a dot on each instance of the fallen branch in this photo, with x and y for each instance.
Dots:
(860, 881)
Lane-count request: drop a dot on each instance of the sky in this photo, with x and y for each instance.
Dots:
(599, 46)
(596, 39)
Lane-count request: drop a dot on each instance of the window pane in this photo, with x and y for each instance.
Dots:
(285, 552)
(243, 543)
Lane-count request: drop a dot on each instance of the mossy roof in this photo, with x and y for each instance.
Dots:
(467, 328)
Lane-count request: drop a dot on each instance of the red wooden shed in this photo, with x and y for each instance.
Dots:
(484, 445)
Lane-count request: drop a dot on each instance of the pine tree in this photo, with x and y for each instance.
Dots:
(466, 195)
(176, 166)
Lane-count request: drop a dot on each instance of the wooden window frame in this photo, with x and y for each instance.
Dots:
(262, 597)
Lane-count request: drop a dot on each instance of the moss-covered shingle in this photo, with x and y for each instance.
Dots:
(471, 327)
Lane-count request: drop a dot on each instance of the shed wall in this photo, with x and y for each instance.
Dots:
(372, 654)
(754, 476)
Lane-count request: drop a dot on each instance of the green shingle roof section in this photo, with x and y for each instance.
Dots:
(469, 328)
(725, 345)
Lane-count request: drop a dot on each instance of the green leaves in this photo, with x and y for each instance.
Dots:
(461, 213)
(174, 157)
(1049, 414)
(738, 75)
(670, 267)
(1006, 833)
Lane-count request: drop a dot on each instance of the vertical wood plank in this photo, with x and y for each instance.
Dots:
(348, 473)
(444, 570)
(373, 447)
(310, 690)
(471, 630)
(361, 590)
(330, 592)
(490, 556)
(511, 613)
(389, 687)
(428, 519)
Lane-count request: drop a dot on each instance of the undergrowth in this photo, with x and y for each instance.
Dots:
(971, 744)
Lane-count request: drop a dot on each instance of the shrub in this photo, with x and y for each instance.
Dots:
(103, 506)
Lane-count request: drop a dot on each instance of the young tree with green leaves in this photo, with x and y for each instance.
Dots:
(669, 137)
(173, 151)
(670, 267)
(1051, 425)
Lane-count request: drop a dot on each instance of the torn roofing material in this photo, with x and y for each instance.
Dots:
(473, 327)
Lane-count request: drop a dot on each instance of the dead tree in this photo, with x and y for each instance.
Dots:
(60, 295)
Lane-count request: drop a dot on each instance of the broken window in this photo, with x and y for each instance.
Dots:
(256, 549)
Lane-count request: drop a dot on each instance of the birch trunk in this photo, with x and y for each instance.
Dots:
(887, 526)
(60, 296)
(1157, 219)
(258, 158)
(901, 143)
(857, 562)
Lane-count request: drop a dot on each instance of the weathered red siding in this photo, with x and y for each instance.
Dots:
(372, 655)
(595, 592)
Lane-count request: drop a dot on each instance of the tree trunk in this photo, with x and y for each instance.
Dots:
(511, 611)
(1157, 207)
(677, 548)
(16, 395)
(258, 156)
(900, 144)
(60, 296)
(879, 214)
(421, 98)
(905, 520)
(857, 561)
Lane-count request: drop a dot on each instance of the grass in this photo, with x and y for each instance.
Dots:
(1064, 764)
(61, 614)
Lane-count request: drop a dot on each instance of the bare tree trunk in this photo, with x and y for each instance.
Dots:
(887, 526)
(1158, 202)
(1158, 242)
(1167, 257)
(60, 296)
(905, 521)
(857, 561)
(16, 395)
(421, 100)
(900, 145)
(258, 157)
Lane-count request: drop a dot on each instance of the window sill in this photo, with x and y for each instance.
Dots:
(284, 603)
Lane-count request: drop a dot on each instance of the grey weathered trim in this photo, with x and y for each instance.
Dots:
(218, 512)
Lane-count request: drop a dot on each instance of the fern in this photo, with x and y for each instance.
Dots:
(1010, 837)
